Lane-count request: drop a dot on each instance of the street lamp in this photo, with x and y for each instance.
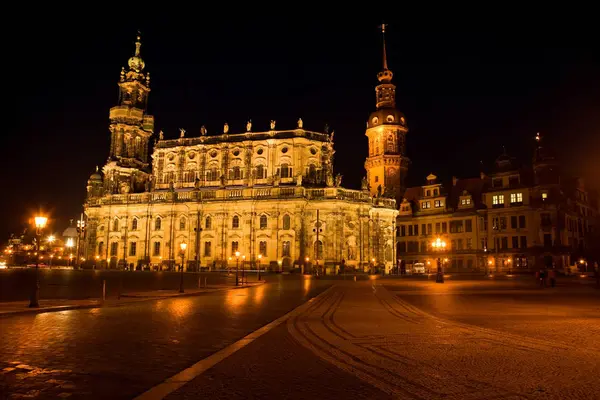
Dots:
(439, 245)
(259, 258)
(237, 267)
(243, 269)
(182, 246)
(40, 224)
(80, 238)
(304, 267)
(50, 240)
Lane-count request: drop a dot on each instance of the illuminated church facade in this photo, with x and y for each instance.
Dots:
(270, 196)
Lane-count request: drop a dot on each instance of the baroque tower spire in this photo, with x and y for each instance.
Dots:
(387, 164)
(130, 127)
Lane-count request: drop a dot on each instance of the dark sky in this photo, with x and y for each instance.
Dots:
(465, 93)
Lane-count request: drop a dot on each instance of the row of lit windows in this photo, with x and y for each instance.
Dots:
(235, 223)
(498, 199)
(436, 204)
(286, 246)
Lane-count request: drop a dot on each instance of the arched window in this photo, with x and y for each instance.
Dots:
(115, 225)
(236, 173)
(208, 223)
(435, 192)
(262, 248)
(390, 146)
(260, 172)
(428, 193)
(100, 248)
(182, 223)
(286, 221)
(263, 222)
(235, 223)
(318, 250)
(312, 172)
(157, 224)
(134, 224)
(285, 171)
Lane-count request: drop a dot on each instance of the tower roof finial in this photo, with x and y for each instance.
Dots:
(136, 63)
(385, 76)
(385, 66)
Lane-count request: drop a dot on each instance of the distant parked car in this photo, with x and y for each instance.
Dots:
(418, 268)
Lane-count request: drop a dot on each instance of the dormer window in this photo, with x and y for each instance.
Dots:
(465, 202)
(436, 192)
(428, 193)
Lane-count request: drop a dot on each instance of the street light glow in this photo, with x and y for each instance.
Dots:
(183, 246)
(40, 222)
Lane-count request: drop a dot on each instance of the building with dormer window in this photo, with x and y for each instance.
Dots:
(516, 218)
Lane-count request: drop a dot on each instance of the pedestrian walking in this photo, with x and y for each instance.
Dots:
(552, 277)
(542, 278)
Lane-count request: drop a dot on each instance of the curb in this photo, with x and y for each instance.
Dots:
(100, 305)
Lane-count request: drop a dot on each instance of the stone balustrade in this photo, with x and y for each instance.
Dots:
(251, 193)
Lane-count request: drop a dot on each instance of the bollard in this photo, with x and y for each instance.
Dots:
(103, 290)
(199, 278)
(205, 278)
(354, 278)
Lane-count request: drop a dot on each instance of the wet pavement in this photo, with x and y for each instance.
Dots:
(377, 339)
(120, 352)
(16, 284)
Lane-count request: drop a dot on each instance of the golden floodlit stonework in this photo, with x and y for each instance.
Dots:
(270, 193)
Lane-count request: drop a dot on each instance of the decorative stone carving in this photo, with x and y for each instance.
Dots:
(226, 128)
(181, 132)
(273, 124)
(300, 123)
(203, 130)
(249, 126)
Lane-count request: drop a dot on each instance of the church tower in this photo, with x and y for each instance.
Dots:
(387, 163)
(127, 169)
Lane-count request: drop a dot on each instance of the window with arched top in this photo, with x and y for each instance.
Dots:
(182, 223)
(134, 224)
(312, 172)
(208, 223)
(390, 145)
(157, 224)
(285, 171)
(318, 250)
(436, 192)
(235, 222)
(260, 172)
(263, 222)
(286, 221)
(236, 173)
(115, 225)
(428, 193)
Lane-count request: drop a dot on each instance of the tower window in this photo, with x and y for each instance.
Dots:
(391, 146)
(208, 223)
(235, 223)
(157, 224)
(263, 222)
(375, 120)
(390, 118)
(286, 222)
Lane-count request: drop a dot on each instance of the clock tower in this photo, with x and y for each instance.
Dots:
(387, 163)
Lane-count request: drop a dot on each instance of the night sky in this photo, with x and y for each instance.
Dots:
(465, 94)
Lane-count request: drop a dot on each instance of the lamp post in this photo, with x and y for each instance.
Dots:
(50, 240)
(182, 246)
(69, 245)
(304, 267)
(439, 245)
(81, 233)
(243, 269)
(40, 224)
(237, 267)
(259, 258)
